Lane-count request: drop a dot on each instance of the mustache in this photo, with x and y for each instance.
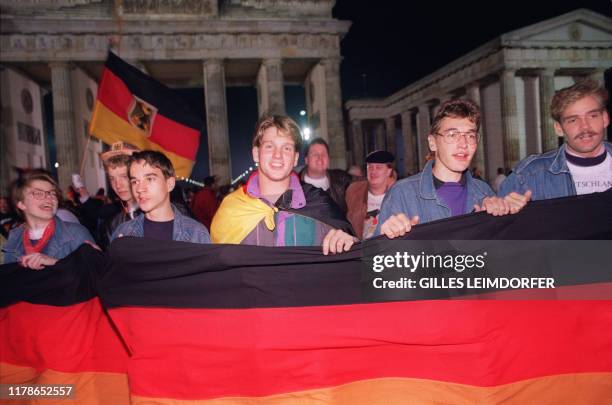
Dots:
(584, 134)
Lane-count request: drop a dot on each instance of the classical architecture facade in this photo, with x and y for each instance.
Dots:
(512, 77)
(182, 43)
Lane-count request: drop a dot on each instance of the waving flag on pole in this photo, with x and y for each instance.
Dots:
(134, 108)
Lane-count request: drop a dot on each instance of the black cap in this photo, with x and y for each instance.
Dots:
(380, 156)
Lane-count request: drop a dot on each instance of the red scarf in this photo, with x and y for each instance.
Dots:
(42, 242)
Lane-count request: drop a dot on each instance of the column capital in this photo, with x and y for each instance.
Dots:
(272, 61)
(212, 61)
(508, 72)
(546, 71)
(61, 65)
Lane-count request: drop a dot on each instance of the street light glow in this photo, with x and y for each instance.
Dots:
(306, 132)
(302, 113)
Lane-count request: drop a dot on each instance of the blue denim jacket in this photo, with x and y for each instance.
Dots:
(416, 195)
(546, 175)
(184, 229)
(68, 236)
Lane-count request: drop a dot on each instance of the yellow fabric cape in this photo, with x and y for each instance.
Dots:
(238, 215)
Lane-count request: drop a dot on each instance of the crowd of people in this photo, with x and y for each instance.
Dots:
(319, 206)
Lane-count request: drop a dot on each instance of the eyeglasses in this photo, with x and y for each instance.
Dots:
(42, 194)
(471, 137)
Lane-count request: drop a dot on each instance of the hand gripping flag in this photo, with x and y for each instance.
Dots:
(135, 108)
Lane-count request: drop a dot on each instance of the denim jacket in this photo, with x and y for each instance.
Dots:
(546, 175)
(416, 195)
(68, 236)
(184, 229)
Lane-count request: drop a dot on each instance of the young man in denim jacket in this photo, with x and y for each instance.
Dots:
(445, 187)
(152, 179)
(583, 164)
(44, 238)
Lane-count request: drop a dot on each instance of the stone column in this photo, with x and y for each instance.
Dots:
(409, 157)
(333, 105)
(270, 87)
(63, 123)
(380, 136)
(423, 126)
(550, 140)
(390, 131)
(216, 120)
(357, 133)
(473, 93)
(509, 114)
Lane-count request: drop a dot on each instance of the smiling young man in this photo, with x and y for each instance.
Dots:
(273, 208)
(317, 172)
(44, 238)
(583, 164)
(445, 187)
(152, 179)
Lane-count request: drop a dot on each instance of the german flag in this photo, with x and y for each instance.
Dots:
(53, 330)
(135, 108)
(222, 324)
(229, 324)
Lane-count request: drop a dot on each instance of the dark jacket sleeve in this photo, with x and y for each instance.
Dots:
(320, 206)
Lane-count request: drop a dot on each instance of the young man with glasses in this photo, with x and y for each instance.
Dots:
(445, 187)
(583, 164)
(44, 238)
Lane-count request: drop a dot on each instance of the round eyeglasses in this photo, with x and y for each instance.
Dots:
(471, 137)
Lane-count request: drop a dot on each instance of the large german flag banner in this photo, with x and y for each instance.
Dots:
(229, 324)
(135, 108)
(53, 330)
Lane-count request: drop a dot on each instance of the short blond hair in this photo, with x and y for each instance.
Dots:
(280, 122)
(569, 95)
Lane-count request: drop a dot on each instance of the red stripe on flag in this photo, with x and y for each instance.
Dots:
(167, 133)
(175, 137)
(73, 338)
(115, 95)
(205, 353)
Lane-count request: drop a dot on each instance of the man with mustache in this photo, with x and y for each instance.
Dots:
(583, 164)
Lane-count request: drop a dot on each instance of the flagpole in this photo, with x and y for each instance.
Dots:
(84, 155)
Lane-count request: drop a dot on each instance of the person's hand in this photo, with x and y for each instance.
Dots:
(398, 225)
(495, 206)
(517, 201)
(37, 261)
(93, 245)
(337, 241)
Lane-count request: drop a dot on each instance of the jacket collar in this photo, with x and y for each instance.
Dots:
(60, 237)
(559, 163)
(294, 196)
(427, 189)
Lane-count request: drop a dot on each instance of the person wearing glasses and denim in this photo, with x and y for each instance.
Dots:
(43, 238)
(583, 164)
(445, 187)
